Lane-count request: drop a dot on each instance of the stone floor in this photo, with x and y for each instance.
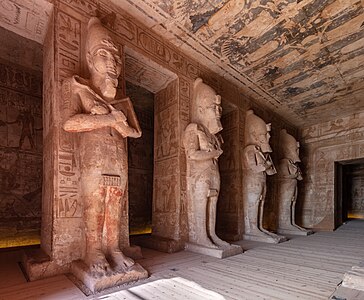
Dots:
(303, 268)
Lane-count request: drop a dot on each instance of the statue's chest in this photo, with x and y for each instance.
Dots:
(208, 141)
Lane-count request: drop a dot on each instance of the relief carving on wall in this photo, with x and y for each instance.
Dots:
(21, 147)
(26, 18)
(326, 143)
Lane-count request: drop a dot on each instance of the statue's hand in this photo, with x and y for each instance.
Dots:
(99, 110)
(216, 153)
(119, 116)
(268, 164)
(125, 130)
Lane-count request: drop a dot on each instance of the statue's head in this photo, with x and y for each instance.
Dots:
(257, 132)
(206, 107)
(103, 58)
(290, 148)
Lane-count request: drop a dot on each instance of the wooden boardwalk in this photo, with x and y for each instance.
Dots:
(302, 268)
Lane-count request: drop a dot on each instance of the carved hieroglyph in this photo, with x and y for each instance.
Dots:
(257, 164)
(93, 112)
(202, 142)
(288, 174)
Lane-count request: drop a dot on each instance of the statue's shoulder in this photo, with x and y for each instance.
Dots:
(75, 82)
(191, 127)
(190, 133)
(75, 85)
(195, 129)
(251, 149)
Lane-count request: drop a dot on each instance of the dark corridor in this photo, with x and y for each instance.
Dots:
(349, 190)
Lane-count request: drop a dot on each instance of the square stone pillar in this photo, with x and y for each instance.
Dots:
(169, 214)
(62, 236)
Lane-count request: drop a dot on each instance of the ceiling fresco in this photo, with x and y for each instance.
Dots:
(303, 58)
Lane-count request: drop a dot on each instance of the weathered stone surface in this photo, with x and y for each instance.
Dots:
(288, 174)
(98, 282)
(325, 144)
(21, 144)
(38, 265)
(257, 164)
(104, 123)
(29, 19)
(202, 142)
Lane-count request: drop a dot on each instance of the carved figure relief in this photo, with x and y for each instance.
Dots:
(103, 123)
(202, 142)
(257, 164)
(288, 173)
(20, 150)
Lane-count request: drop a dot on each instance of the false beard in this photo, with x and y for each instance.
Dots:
(109, 87)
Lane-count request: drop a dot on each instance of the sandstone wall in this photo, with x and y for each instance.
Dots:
(21, 150)
(339, 140)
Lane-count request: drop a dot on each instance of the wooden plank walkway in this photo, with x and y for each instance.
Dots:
(302, 268)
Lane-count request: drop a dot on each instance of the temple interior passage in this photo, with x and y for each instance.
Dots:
(179, 149)
(353, 204)
(21, 140)
(309, 267)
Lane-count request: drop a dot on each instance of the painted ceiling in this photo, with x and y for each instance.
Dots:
(303, 58)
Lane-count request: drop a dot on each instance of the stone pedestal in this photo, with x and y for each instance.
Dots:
(221, 252)
(99, 282)
(38, 265)
(158, 243)
(133, 251)
(294, 231)
(265, 238)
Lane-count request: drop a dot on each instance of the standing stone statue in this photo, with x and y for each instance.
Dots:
(90, 111)
(288, 174)
(202, 142)
(257, 164)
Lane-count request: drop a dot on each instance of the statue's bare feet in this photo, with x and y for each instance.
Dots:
(275, 237)
(120, 260)
(295, 226)
(206, 242)
(219, 241)
(97, 262)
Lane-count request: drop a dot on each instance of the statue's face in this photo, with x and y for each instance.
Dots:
(263, 139)
(212, 113)
(106, 64)
(296, 153)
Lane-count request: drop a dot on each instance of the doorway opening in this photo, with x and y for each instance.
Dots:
(140, 162)
(21, 140)
(145, 80)
(349, 188)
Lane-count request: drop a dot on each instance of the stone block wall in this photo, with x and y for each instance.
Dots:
(339, 140)
(21, 149)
